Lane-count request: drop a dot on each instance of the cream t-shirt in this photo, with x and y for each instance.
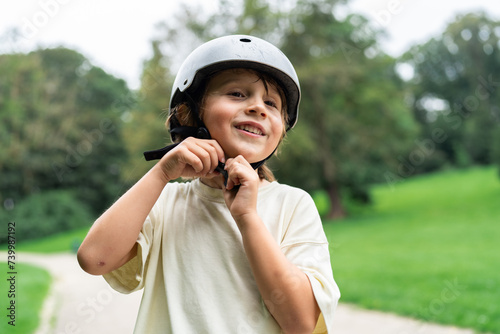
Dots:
(194, 271)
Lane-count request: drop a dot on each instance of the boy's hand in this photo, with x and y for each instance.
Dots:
(192, 158)
(242, 202)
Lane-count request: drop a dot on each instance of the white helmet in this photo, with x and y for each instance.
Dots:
(236, 51)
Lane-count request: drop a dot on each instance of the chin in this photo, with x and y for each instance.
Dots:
(254, 158)
(250, 157)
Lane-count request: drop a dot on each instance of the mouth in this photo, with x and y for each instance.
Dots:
(250, 129)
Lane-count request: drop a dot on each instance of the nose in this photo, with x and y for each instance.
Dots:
(258, 107)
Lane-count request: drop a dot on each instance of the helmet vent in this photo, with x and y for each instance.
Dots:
(245, 40)
(185, 82)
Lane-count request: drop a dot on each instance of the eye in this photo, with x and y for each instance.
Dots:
(272, 104)
(236, 94)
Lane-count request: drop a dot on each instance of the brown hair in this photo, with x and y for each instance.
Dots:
(182, 115)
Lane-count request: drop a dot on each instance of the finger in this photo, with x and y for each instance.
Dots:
(211, 146)
(205, 153)
(241, 160)
(215, 151)
(220, 152)
(232, 182)
(206, 159)
(238, 165)
(236, 172)
(192, 160)
(241, 172)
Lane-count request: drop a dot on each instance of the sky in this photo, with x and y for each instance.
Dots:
(116, 34)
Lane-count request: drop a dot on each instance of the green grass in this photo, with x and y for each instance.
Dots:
(31, 288)
(428, 248)
(62, 242)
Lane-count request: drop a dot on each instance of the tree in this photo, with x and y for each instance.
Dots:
(59, 127)
(144, 128)
(455, 88)
(353, 115)
(353, 121)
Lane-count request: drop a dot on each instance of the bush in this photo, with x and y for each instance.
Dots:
(322, 202)
(44, 214)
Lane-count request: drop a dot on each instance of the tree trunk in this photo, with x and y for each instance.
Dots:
(336, 208)
(327, 161)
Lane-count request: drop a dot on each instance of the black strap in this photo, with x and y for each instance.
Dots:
(186, 131)
(159, 153)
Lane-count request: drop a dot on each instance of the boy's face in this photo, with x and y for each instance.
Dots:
(242, 115)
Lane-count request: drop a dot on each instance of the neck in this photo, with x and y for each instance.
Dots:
(216, 182)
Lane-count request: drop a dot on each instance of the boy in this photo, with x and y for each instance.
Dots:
(233, 251)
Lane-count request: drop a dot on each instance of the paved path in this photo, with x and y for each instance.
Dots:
(352, 320)
(81, 303)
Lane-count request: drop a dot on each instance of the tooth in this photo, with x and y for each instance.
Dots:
(250, 129)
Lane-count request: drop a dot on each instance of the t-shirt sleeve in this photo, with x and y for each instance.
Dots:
(130, 277)
(305, 245)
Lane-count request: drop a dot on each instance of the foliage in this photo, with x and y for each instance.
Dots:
(455, 88)
(59, 127)
(353, 121)
(322, 202)
(32, 286)
(47, 213)
(352, 111)
(144, 128)
(426, 249)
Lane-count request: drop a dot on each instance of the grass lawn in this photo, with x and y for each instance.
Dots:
(62, 242)
(31, 287)
(428, 248)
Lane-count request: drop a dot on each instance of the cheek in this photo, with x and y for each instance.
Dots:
(279, 127)
(215, 120)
